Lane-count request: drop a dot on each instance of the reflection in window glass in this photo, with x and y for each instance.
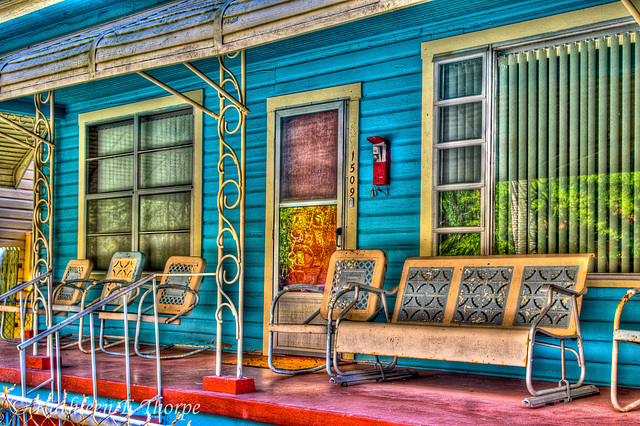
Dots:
(102, 248)
(108, 216)
(110, 174)
(165, 212)
(459, 245)
(166, 168)
(459, 208)
(159, 247)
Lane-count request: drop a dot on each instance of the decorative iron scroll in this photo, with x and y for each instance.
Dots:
(531, 300)
(483, 295)
(43, 184)
(425, 295)
(231, 201)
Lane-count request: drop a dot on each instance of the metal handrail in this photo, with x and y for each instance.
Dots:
(17, 288)
(86, 311)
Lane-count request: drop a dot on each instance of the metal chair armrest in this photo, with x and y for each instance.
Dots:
(364, 287)
(616, 320)
(557, 289)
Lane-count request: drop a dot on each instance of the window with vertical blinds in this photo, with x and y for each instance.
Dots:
(565, 176)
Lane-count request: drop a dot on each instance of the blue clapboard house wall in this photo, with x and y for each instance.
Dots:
(382, 53)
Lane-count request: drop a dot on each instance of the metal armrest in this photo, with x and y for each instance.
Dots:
(169, 286)
(557, 289)
(364, 287)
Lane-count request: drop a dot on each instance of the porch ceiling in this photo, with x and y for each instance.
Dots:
(182, 31)
(15, 150)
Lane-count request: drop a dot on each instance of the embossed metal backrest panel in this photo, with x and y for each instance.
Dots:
(425, 295)
(76, 269)
(531, 300)
(125, 266)
(361, 266)
(482, 298)
(489, 291)
(173, 301)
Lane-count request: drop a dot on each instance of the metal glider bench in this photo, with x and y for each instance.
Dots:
(479, 309)
(366, 267)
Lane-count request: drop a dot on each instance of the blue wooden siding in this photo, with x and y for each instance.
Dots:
(383, 54)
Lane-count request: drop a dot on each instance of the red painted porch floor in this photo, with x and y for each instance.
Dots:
(433, 398)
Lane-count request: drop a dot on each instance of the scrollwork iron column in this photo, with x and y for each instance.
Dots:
(231, 197)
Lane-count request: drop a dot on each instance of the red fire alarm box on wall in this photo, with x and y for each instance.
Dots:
(381, 160)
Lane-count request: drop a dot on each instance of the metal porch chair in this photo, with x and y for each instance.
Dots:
(125, 268)
(627, 336)
(176, 297)
(345, 266)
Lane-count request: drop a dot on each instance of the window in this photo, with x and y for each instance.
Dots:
(139, 185)
(556, 125)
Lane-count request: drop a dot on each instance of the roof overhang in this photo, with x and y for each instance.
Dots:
(16, 149)
(179, 32)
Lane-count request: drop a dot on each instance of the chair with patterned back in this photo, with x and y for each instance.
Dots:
(177, 296)
(367, 267)
(74, 280)
(125, 269)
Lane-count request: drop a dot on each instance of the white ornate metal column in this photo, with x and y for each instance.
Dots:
(43, 184)
(228, 158)
(231, 118)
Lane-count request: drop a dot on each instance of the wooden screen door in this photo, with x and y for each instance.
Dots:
(309, 212)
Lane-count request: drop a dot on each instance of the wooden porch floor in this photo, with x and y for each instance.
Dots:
(433, 398)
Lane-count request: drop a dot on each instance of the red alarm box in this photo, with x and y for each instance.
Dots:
(381, 160)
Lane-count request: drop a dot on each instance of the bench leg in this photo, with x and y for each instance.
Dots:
(379, 373)
(565, 391)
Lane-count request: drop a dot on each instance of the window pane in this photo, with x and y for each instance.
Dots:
(164, 130)
(159, 247)
(460, 79)
(309, 156)
(166, 168)
(110, 174)
(459, 208)
(461, 122)
(459, 245)
(101, 249)
(165, 212)
(110, 139)
(109, 216)
(460, 165)
(307, 240)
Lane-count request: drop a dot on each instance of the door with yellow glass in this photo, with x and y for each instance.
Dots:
(310, 212)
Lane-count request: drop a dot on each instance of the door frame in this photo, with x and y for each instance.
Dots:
(350, 93)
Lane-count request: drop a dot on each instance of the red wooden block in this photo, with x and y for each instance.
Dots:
(228, 384)
(39, 362)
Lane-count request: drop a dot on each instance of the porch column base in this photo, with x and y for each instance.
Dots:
(228, 384)
(39, 362)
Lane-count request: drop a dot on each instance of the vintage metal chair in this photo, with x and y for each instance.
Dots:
(125, 268)
(70, 288)
(177, 296)
(345, 266)
(627, 336)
